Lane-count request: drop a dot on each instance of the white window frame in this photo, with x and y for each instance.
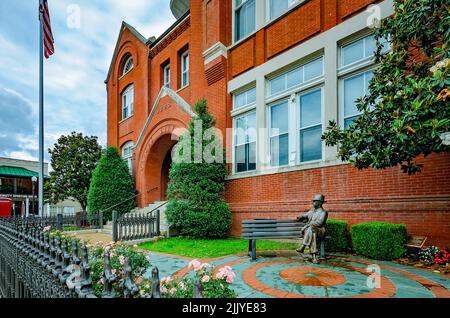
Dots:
(342, 116)
(269, 134)
(126, 66)
(362, 66)
(247, 104)
(322, 121)
(235, 144)
(128, 158)
(130, 109)
(166, 76)
(235, 20)
(270, 16)
(292, 96)
(185, 68)
(302, 85)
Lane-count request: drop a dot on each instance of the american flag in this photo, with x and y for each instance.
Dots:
(49, 48)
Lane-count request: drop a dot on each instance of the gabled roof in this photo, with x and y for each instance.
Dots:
(133, 31)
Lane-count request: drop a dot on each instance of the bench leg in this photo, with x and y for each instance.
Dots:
(253, 250)
(322, 249)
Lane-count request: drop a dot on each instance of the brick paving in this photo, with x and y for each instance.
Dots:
(286, 275)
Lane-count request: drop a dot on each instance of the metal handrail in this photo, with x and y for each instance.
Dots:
(157, 208)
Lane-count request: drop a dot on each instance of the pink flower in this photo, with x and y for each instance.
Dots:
(205, 265)
(46, 229)
(181, 285)
(122, 259)
(163, 290)
(166, 279)
(172, 291)
(205, 279)
(230, 278)
(139, 280)
(195, 264)
(147, 257)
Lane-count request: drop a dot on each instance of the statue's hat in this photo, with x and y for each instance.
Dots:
(319, 197)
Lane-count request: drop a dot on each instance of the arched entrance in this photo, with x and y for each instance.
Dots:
(165, 169)
(157, 166)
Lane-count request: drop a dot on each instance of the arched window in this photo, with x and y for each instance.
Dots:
(127, 155)
(128, 65)
(128, 102)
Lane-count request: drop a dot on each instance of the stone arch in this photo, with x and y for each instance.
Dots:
(153, 161)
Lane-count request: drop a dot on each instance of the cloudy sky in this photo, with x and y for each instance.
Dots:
(75, 93)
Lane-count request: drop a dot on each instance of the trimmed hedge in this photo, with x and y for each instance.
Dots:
(338, 241)
(379, 240)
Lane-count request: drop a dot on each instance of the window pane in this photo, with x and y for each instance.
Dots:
(277, 7)
(245, 19)
(240, 131)
(294, 77)
(353, 89)
(239, 101)
(251, 127)
(277, 84)
(311, 109)
(353, 52)
(279, 118)
(311, 144)
(251, 156)
(251, 96)
(369, 76)
(240, 158)
(349, 121)
(370, 46)
(279, 148)
(313, 69)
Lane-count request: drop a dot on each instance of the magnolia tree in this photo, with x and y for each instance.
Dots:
(407, 111)
(74, 158)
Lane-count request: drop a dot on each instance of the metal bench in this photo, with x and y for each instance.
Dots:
(268, 229)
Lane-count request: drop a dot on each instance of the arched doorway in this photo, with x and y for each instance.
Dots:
(165, 169)
(157, 166)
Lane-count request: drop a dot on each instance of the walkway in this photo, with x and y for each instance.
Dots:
(286, 275)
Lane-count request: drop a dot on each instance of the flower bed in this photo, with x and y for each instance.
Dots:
(212, 283)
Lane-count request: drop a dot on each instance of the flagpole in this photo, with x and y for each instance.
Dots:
(41, 110)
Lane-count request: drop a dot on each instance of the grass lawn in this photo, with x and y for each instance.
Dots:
(210, 248)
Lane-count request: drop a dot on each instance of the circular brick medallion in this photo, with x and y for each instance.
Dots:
(312, 276)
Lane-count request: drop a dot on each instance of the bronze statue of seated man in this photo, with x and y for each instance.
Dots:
(314, 231)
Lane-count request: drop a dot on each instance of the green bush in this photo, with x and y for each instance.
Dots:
(338, 241)
(196, 207)
(379, 240)
(111, 186)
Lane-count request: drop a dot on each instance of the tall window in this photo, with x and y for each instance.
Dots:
(310, 125)
(278, 7)
(244, 130)
(244, 18)
(166, 72)
(245, 142)
(128, 65)
(355, 73)
(128, 102)
(279, 134)
(185, 69)
(127, 155)
(294, 100)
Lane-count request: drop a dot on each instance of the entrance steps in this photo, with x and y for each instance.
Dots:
(158, 205)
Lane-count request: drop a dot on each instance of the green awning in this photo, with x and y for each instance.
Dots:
(18, 172)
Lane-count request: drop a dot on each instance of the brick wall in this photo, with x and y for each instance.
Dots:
(420, 201)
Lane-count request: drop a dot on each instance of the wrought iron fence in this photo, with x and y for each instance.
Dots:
(34, 265)
(129, 227)
(80, 219)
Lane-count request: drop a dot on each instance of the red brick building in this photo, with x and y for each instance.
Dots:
(287, 65)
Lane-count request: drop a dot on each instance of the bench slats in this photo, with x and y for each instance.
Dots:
(268, 221)
(296, 229)
(273, 225)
